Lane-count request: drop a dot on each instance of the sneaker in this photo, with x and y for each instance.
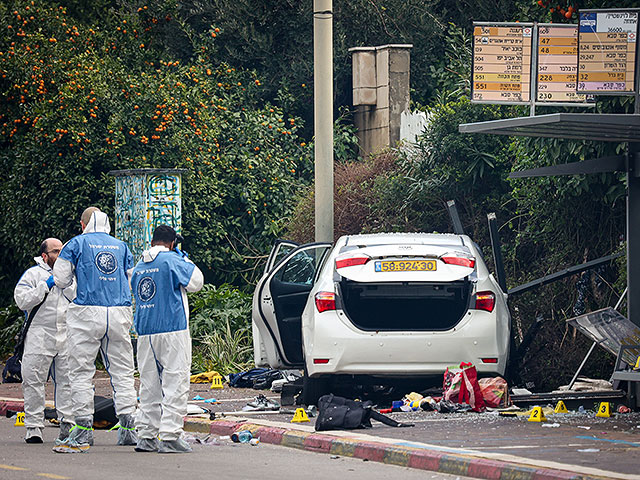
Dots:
(147, 445)
(261, 403)
(174, 446)
(34, 435)
(127, 432)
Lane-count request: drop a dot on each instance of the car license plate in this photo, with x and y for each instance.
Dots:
(406, 266)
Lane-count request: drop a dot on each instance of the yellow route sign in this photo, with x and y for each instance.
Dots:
(607, 42)
(501, 63)
(557, 64)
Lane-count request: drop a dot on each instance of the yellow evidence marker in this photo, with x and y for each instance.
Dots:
(604, 410)
(19, 419)
(217, 382)
(561, 408)
(300, 416)
(637, 365)
(537, 415)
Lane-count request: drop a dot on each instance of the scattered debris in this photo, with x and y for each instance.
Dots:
(588, 450)
(195, 410)
(243, 436)
(584, 384)
(261, 403)
(520, 391)
(551, 425)
(207, 440)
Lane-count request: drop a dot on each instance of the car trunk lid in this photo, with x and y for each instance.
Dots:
(405, 263)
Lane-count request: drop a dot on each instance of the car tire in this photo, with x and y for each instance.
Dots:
(314, 388)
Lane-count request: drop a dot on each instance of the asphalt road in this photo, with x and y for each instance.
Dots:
(225, 460)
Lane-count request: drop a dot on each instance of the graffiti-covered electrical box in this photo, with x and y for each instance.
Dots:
(146, 198)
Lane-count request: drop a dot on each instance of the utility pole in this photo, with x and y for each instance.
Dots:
(323, 118)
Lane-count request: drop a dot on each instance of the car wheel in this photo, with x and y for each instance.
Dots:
(314, 388)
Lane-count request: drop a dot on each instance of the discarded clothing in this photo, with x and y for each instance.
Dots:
(446, 406)
(259, 378)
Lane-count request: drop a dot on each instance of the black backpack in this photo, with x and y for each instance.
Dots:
(339, 413)
(12, 372)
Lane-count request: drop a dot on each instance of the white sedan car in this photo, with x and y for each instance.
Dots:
(384, 305)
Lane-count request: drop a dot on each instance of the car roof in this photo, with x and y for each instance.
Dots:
(417, 238)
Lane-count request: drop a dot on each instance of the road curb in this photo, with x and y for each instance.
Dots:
(11, 405)
(419, 458)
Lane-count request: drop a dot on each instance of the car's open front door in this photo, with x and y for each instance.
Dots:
(279, 300)
(280, 250)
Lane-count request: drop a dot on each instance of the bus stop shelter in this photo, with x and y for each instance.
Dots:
(594, 127)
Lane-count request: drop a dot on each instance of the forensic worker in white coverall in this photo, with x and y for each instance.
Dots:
(45, 346)
(98, 320)
(159, 285)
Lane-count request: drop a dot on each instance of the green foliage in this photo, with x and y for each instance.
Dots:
(10, 322)
(78, 101)
(225, 351)
(471, 169)
(213, 308)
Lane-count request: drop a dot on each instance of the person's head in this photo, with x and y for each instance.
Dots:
(49, 250)
(86, 216)
(164, 235)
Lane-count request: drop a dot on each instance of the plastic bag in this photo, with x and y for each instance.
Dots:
(461, 386)
(494, 392)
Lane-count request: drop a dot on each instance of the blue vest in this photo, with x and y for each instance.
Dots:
(101, 263)
(156, 289)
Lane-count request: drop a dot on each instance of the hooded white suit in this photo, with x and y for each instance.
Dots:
(45, 347)
(159, 284)
(100, 317)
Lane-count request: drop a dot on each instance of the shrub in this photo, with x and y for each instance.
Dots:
(78, 101)
(213, 309)
(225, 351)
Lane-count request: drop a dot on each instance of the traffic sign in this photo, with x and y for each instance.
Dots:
(607, 51)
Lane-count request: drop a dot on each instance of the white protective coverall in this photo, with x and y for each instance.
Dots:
(100, 317)
(159, 284)
(45, 346)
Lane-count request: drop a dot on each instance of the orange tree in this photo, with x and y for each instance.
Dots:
(79, 100)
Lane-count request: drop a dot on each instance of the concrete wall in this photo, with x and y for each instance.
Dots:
(380, 94)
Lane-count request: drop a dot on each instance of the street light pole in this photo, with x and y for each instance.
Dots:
(323, 118)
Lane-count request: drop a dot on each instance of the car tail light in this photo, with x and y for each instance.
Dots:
(489, 360)
(320, 361)
(352, 261)
(485, 301)
(325, 301)
(461, 261)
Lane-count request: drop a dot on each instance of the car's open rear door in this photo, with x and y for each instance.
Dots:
(279, 300)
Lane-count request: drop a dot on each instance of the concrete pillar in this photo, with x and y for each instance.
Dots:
(146, 198)
(380, 94)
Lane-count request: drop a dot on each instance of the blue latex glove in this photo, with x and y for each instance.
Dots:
(50, 282)
(182, 253)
